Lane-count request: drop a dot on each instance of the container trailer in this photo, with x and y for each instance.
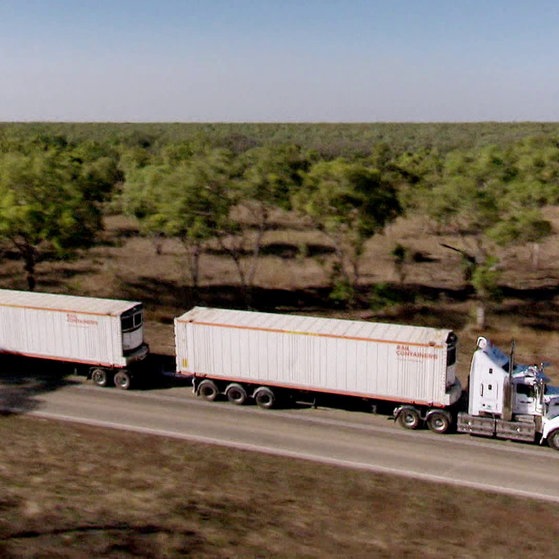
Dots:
(266, 357)
(102, 337)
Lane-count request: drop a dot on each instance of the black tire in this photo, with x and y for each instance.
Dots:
(122, 380)
(265, 398)
(100, 377)
(553, 439)
(236, 394)
(438, 422)
(207, 389)
(409, 418)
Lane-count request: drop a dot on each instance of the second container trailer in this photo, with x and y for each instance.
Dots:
(103, 337)
(265, 357)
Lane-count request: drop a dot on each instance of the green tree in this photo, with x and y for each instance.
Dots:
(267, 177)
(189, 201)
(49, 203)
(477, 197)
(349, 203)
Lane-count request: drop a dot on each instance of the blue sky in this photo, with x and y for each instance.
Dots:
(279, 60)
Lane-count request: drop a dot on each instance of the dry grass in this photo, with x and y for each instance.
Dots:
(74, 491)
(291, 279)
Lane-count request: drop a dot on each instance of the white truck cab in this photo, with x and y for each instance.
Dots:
(509, 400)
(550, 431)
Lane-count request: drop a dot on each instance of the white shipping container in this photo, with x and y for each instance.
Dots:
(88, 330)
(356, 358)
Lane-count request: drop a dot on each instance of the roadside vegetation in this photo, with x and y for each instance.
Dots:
(227, 187)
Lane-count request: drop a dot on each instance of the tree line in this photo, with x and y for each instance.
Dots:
(224, 188)
(326, 139)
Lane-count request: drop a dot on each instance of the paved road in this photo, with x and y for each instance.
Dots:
(331, 436)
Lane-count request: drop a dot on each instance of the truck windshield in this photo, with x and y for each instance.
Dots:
(526, 390)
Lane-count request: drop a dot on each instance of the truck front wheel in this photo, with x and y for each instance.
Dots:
(438, 422)
(553, 439)
(409, 418)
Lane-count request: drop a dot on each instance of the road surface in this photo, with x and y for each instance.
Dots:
(350, 439)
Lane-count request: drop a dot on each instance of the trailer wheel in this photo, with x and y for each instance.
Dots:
(207, 389)
(236, 394)
(409, 418)
(122, 380)
(100, 377)
(553, 439)
(438, 422)
(264, 398)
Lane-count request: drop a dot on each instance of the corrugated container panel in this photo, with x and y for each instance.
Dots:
(64, 327)
(70, 303)
(317, 325)
(353, 357)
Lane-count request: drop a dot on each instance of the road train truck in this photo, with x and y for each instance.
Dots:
(102, 337)
(265, 357)
(508, 400)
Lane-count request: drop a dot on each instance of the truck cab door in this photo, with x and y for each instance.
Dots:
(489, 396)
(525, 400)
